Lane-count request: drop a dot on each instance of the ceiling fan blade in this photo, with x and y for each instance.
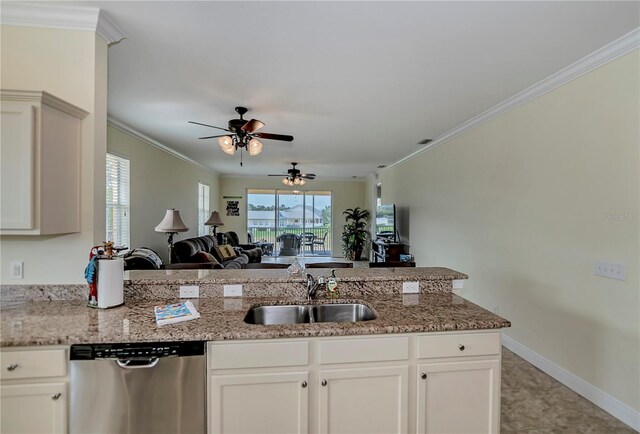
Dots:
(270, 136)
(212, 137)
(210, 126)
(252, 125)
(308, 175)
(282, 174)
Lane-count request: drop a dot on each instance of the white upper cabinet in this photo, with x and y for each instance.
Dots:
(40, 157)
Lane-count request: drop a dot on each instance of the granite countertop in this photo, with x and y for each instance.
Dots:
(71, 321)
(281, 275)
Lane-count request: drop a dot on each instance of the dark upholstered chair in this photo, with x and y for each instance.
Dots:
(289, 244)
(330, 265)
(251, 250)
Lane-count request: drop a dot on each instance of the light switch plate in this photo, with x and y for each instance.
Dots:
(609, 269)
(232, 290)
(457, 283)
(189, 291)
(16, 270)
(410, 287)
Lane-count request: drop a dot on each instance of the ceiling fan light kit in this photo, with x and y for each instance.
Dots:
(293, 177)
(243, 135)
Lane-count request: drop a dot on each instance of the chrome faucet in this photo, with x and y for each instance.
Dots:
(313, 285)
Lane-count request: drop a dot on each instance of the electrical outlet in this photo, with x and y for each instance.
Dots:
(457, 283)
(232, 290)
(16, 270)
(496, 310)
(189, 291)
(609, 269)
(410, 287)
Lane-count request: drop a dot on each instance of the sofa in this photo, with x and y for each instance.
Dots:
(198, 249)
(251, 250)
(144, 258)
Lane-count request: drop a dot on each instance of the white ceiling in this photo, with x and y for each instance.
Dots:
(357, 84)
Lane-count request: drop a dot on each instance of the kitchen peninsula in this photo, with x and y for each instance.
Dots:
(426, 361)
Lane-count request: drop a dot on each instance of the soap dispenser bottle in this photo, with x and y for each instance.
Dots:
(332, 285)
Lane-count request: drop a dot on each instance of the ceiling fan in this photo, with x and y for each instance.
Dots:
(243, 135)
(294, 177)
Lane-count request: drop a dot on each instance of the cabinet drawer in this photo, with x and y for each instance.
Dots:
(364, 350)
(258, 354)
(33, 363)
(472, 344)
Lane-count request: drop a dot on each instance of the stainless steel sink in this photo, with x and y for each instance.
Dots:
(301, 314)
(269, 315)
(348, 312)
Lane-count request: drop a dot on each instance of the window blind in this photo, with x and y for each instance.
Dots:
(118, 178)
(203, 208)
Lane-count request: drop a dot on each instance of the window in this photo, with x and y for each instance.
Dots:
(203, 208)
(117, 200)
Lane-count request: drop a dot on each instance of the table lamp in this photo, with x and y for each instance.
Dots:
(171, 224)
(215, 221)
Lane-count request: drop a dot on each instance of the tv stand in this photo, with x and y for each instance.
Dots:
(387, 253)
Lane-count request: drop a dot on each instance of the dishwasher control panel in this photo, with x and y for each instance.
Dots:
(126, 350)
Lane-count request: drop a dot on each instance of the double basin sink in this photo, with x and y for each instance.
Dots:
(308, 314)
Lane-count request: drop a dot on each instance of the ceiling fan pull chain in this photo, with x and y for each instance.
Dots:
(240, 157)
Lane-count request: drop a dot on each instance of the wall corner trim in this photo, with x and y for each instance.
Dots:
(608, 403)
(86, 19)
(600, 57)
(148, 140)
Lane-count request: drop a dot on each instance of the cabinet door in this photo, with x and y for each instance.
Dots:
(459, 397)
(365, 400)
(17, 156)
(259, 403)
(34, 408)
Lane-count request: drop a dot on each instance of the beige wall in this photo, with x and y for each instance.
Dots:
(526, 203)
(346, 194)
(71, 65)
(160, 181)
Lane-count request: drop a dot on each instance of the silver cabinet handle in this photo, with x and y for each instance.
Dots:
(304, 384)
(12, 367)
(56, 396)
(324, 382)
(423, 376)
(461, 347)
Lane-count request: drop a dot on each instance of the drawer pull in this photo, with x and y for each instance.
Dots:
(304, 384)
(12, 367)
(423, 376)
(56, 396)
(324, 382)
(461, 347)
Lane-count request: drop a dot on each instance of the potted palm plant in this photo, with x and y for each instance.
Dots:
(355, 232)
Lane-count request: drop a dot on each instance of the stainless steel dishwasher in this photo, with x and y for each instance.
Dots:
(138, 388)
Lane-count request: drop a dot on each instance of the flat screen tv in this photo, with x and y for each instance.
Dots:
(386, 222)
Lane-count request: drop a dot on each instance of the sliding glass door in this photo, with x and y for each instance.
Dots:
(296, 223)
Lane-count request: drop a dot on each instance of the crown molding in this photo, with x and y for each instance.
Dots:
(61, 17)
(39, 96)
(148, 140)
(600, 57)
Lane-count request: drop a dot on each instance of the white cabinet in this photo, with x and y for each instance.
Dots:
(259, 403)
(458, 388)
(259, 387)
(363, 400)
(40, 151)
(427, 383)
(34, 390)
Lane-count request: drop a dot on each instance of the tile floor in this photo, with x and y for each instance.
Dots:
(534, 402)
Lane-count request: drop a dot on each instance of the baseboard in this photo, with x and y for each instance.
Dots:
(603, 400)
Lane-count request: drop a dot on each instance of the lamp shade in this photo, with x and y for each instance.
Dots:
(172, 222)
(214, 219)
(255, 147)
